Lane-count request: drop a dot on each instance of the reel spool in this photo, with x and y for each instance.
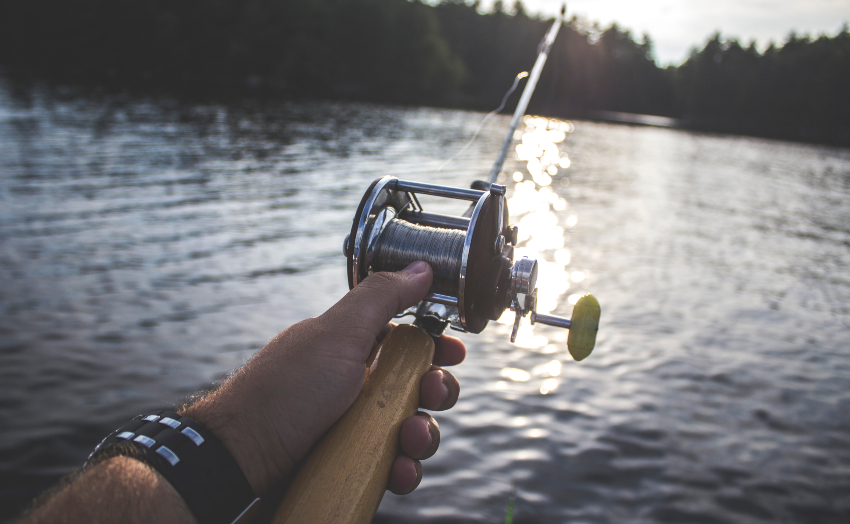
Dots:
(475, 275)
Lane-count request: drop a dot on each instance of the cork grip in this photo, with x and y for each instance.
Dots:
(345, 475)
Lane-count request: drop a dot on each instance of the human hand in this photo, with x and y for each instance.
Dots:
(273, 410)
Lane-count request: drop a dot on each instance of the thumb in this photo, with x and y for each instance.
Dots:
(375, 301)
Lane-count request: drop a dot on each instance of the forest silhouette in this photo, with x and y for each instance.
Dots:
(407, 52)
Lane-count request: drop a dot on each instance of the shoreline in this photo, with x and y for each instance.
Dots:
(264, 93)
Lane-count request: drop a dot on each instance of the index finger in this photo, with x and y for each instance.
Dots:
(449, 351)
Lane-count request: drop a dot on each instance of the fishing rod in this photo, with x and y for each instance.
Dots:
(476, 279)
(521, 106)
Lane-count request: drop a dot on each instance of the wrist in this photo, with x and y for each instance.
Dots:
(191, 458)
(241, 436)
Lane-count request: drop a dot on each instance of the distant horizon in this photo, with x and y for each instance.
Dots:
(675, 29)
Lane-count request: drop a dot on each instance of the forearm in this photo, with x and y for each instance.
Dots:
(119, 490)
(268, 416)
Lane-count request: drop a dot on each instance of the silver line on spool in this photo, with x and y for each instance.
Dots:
(403, 243)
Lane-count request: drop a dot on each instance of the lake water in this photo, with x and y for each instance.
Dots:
(147, 247)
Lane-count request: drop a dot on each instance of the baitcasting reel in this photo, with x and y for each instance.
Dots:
(475, 276)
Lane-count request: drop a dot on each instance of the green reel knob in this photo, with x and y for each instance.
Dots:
(584, 323)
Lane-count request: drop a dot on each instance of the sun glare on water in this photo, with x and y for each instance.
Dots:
(544, 221)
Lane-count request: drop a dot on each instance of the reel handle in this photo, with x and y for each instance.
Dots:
(345, 475)
(583, 325)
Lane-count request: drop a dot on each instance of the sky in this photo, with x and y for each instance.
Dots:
(676, 26)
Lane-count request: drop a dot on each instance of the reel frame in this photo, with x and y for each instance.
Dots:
(482, 270)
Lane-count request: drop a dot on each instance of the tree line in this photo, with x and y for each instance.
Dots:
(800, 90)
(408, 52)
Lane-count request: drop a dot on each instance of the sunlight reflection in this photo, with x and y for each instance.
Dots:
(549, 385)
(518, 422)
(539, 150)
(528, 454)
(559, 204)
(517, 375)
(538, 210)
(562, 256)
(526, 337)
(536, 433)
(507, 318)
(550, 348)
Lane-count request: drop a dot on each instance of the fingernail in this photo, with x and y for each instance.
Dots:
(416, 268)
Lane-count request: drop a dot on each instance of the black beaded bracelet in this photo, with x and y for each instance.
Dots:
(191, 459)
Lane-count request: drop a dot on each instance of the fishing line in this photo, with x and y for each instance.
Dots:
(403, 243)
(486, 118)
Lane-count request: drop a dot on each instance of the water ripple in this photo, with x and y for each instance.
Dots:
(148, 247)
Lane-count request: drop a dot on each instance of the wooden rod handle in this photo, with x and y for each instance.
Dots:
(345, 475)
